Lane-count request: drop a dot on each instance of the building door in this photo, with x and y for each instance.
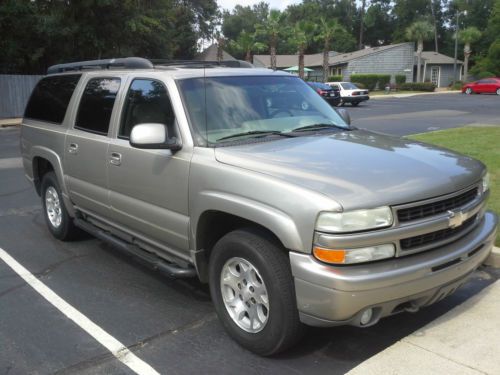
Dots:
(435, 73)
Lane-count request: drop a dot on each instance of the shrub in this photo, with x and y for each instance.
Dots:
(485, 74)
(335, 78)
(417, 86)
(368, 80)
(400, 79)
(383, 81)
(457, 86)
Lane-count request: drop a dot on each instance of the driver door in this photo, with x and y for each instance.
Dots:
(149, 188)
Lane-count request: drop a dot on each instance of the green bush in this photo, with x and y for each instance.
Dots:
(485, 74)
(456, 86)
(384, 80)
(335, 78)
(368, 80)
(417, 86)
(400, 79)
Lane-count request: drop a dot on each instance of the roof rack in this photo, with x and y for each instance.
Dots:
(123, 63)
(141, 63)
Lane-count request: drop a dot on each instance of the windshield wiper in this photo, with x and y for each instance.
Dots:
(255, 132)
(319, 126)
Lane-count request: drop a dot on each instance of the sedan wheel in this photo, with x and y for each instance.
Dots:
(468, 91)
(498, 91)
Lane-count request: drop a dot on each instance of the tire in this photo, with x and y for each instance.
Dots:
(58, 221)
(498, 91)
(355, 104)
(468, 91)
(278, 326)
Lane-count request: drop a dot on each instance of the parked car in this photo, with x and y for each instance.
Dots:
(483, 86)
(350, 93)
(330, 94)
(248, 180)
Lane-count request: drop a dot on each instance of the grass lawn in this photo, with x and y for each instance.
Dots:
(482, 143)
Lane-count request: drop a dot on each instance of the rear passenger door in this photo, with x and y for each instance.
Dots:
(86, 146)
(149, 188)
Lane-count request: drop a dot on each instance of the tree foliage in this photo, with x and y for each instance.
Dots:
(38, 33)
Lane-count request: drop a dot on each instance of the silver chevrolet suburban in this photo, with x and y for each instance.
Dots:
(250, 181)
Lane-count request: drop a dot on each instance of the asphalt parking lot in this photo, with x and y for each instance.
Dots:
(171, 324)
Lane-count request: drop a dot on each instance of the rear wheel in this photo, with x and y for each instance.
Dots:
(498, 91)
(354, 104)
(56, 216)
(468, 91)
(252, 288)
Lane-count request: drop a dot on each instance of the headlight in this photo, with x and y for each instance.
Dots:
(485, 183)
(338, 222)
(350, 256)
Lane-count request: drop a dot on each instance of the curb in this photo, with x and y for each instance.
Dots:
(5, 123)
(402, 95)
(493, 259)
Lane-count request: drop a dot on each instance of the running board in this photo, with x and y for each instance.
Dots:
(152, 260)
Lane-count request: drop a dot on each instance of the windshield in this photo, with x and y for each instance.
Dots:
(349, 86)
(222, 108)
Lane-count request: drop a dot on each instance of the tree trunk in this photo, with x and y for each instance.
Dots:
(361, 23)
(220, 46)
(325, 60)
(248, 56)
(435, 26)
(301, 62)
(273, 53)
(419, 58)
(467, 52)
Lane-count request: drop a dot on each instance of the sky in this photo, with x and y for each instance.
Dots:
(275, 4)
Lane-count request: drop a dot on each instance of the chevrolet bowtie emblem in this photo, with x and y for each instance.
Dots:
(455, 219)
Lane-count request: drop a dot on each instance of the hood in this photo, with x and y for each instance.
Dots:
(359, 169)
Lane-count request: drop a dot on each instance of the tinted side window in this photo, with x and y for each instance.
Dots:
(147, 102)
(96, 105)
(51, 97)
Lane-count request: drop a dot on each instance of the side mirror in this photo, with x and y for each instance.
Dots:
(153, 136)
(344, 114)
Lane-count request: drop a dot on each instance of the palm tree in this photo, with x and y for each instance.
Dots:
(302, 34)
(327, 30)
(420, 31)
(467, 37)
(246, 43)
(271, 29)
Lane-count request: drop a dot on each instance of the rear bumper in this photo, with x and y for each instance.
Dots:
(359, 98)
(332, 100)
(329, 295)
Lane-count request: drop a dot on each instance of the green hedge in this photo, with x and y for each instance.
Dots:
(485, 75)
(417, 86)
(372, 81)
(368, 80)
(400, 79)
(335, 78)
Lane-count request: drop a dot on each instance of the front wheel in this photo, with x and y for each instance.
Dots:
(56, 216)
(252, 288)
(468, 91)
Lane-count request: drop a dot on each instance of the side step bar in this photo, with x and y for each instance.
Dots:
(152, 260)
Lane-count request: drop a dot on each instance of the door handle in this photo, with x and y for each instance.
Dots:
(115, 158)
(73, 148)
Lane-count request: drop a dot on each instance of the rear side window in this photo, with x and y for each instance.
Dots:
(96, 105)
(50, 98)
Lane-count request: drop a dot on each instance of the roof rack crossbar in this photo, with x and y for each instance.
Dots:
(125, 63)
(141, 63)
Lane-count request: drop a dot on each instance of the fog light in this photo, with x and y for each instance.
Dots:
(366, 317)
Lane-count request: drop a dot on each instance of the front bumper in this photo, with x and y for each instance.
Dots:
(357, 98)
(337, 295)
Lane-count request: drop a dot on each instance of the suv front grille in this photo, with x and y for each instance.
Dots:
(434, 208)
(440, 235)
